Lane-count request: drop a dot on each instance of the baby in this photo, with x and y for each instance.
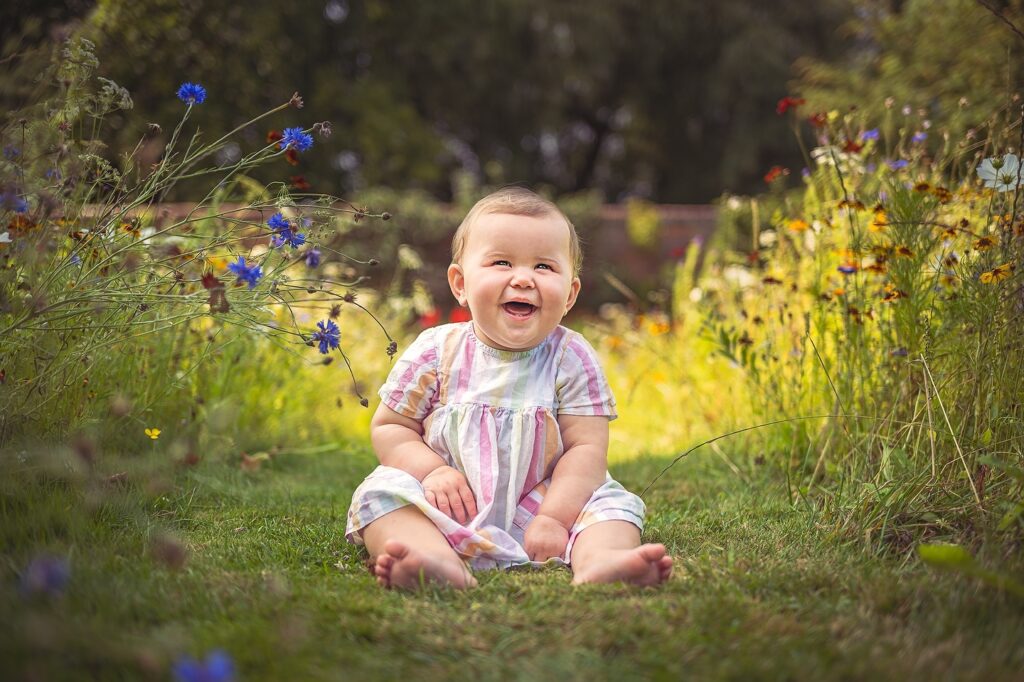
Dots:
(492, 434)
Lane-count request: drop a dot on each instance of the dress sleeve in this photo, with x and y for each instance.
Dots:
(581, 387)
(412, 384)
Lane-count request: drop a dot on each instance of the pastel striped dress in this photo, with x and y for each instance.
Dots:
(492, 415)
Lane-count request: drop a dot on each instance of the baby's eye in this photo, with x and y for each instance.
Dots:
(544, 265)
(501, 262)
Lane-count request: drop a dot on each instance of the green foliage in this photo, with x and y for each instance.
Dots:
(109, 303)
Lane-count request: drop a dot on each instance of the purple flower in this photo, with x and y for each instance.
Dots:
(245, 273)
(869, 134)
(192, 93)
(296, 139)
(45, 574)
(899, 352)
(12, 202)
(218, 667)
(313, 258)
(847, 268)
(328, 337)
(919, 137)
(11, 152)
(805, 172)
(898, 164)
(283, 233)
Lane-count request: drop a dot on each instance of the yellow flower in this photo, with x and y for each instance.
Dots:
(997, 274)
(153, 433)
(657, 328)
(217, 262)
(880, 222)
(833, 115)
(798, 225)
(984, 244)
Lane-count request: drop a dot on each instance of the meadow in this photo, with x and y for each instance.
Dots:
(824, 420)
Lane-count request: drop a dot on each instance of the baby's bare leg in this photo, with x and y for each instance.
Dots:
(408, 551)
(610, 551)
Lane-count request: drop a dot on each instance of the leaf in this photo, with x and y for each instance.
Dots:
(945, 556)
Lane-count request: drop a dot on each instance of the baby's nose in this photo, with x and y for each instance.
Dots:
(522, 278)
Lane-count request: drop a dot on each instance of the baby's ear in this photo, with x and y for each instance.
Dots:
(574, 291)
(457, 282)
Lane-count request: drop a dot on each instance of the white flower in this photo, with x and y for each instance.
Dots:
(5, 238)
(1002, 174)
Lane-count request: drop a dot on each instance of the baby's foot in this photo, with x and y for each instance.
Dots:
(646, 565)
(403, 567)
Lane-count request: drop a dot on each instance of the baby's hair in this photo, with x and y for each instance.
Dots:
(516, 201)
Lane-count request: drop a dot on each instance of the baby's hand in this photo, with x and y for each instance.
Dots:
(447, 489)
(545, 538)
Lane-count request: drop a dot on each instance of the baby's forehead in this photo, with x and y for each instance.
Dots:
(547, 230)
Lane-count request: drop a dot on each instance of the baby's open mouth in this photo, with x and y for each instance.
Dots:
(519, 309)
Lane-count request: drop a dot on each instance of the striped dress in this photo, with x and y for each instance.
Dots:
(492, 414)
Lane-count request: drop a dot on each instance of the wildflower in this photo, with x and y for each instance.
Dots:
(899, 352)
(335, 311)
(898, 164)
(313, 258)
(45, 574)
(847, 268)
(460, 315)
(299, 183)
(774, 173)
(430, 318)
(919, 137)
(245, 273)
(192, 93)
(984, 244)
(904, 252)
(851, 203)
(839, 291)
(295, 138)
(817, 120)
(797, 225)
(880, 221)
(328, 337)
(997, 274)
(273, 136)
(218, 667)
(1001, 175)
(893, 294)
(153, 433)
(323, 128)
(12, 202)
(871, 134)
(852, 147)
(76, 260)
(787, 103)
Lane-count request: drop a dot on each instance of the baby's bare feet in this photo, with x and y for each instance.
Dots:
(403, 567)
(646, 565)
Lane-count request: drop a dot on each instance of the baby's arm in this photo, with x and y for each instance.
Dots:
(398, 442)
(581, 470)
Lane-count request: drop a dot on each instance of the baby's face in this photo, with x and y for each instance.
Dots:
(516, 276)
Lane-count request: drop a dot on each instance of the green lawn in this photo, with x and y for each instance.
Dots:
(761, 589)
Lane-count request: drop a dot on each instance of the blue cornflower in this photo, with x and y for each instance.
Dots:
(248, 274)
(53, 174)
(847, 268)
(218, 667)
(279, 222)
(898, 164)
(296, 139)
(192, 93)
(11, 152)
(12, 202)
(313, 258)
(328, 337)
(919, 137)
(869, 134)
(76, 259)
(46, 574)
(899, 352)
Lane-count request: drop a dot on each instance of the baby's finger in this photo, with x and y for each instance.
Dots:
(458, 510)
(443, 505)
(468, 501)
(431, 498)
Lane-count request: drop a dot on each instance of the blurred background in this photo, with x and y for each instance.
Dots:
(640, 118)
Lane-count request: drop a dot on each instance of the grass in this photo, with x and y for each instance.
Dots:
(762, 588)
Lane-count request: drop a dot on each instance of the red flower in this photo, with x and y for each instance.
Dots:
(430, 318)
(774, 173)
(818, 120)
(787, 103)
(299, 182)
(460, 315)
(274, 136)
(291, 156)
(677, 252)
(852, 147)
